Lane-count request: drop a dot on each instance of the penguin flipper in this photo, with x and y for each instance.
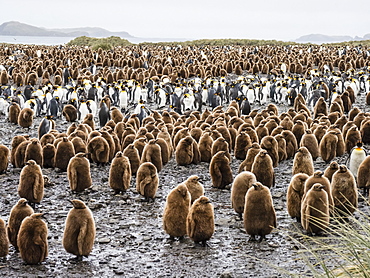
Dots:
(191, 226)
(81, 236)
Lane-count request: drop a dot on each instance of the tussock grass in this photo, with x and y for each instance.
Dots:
(344, 251)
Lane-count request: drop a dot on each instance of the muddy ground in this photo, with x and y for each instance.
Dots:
(130, 240)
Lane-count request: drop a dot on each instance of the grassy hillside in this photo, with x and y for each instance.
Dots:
(103, 43)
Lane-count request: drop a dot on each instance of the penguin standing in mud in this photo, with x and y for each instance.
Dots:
(54, 108)
(104, 115)
(45, 126)
(358, 155)
(245, 107)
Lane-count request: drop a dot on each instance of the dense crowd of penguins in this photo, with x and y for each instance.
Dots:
(135, 108)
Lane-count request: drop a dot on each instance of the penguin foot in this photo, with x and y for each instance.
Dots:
(261, 238)
(252, 238)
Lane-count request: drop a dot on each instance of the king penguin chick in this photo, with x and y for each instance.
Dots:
(331, 169)
(363, 177)
(344, 190)
(31, 183)
(201, 220)
(295, 194)
(220, 170)
(195, 188)
(33, 239)
(79, 231)
(263, 169)
(147, 180)
(120, 173)
(176, 211)
(17, 214)
(303, 162)
(315, 210)
(242, 182)
(259, 212)
(78, 173)
(4, 158)
(4, 243)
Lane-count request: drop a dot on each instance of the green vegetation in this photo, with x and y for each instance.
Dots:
(223, 42)
(344, 252)
(350, 43)
(95, 43)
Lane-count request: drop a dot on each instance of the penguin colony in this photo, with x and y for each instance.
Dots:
(156, 104)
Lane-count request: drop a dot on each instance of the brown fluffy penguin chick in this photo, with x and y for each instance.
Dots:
(201, 221)
(16, 141)
(165, 152)
(176, 211)
(25, 118)
(33, 239)
(70, 113)
(79, 231)
(152, 153)
(195, 188)
(242, 182)
(14, 110)
(281, 147)
(315, 210)
(133, 155)
(295, 194)
(242, 144)
(147, 180)
(34, 152)
(302, 162)
(328, 146)
(184, 153)
(4, 243)
(309, 141)
(120, 173)
(263, 170)
(48, 154)
(205, 147)
(65, 151)
(17, 214)
(31, 182)
(331, 169)
(78, 173)
(291, 143)
(363, 177)
(246, 165)
(99, 149)
(270, 144)
(318, 177)
(344, 190)
(89, 120)
(220, 144)
(220, 170)
(259, 212)
(4, 158)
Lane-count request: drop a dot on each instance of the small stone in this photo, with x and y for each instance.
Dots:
(104, 240)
